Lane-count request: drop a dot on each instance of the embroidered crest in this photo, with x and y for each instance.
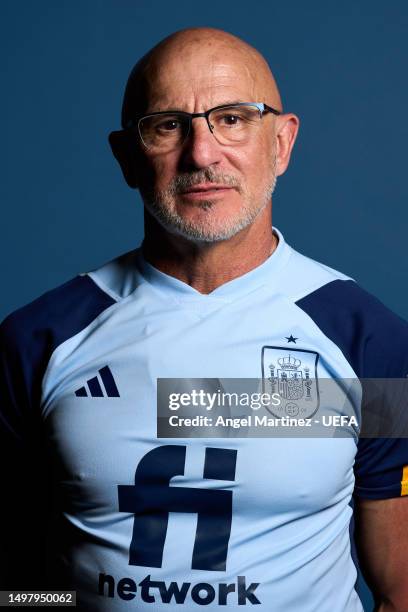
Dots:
(292, 373)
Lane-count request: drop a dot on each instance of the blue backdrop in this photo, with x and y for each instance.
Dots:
(341, 67)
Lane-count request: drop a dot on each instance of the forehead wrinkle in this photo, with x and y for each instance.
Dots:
(219, 45)
(222, 82)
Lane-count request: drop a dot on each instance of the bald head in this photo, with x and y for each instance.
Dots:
(205, 169)
(201, 49)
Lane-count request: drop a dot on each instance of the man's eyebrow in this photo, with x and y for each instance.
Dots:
(232, 103)
(179, 110)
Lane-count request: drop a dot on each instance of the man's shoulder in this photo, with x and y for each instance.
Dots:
(310, 281)
(67, 309)
(368, 332)
(57, 314)
(336, 293)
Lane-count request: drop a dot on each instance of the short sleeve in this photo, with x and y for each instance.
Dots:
(374, 341)
(381, 468)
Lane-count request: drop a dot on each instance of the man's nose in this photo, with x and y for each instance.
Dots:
(201, 148)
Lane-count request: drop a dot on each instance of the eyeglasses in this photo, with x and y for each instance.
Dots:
(230, 124)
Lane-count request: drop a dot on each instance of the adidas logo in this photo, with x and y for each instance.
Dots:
(96, 385)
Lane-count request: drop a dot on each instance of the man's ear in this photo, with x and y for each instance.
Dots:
(125, 150)
(287, 126)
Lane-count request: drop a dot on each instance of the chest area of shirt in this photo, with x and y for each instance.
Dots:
(100, 401)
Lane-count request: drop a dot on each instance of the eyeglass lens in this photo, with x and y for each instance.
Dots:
(232, 124)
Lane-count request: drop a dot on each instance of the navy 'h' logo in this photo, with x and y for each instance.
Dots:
(151, 499)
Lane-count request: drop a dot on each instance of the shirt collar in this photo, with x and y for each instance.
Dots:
(266, 272)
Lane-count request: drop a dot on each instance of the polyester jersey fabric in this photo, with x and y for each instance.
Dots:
(82, 362)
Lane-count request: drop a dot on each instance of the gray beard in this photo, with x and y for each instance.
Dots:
(158, 204)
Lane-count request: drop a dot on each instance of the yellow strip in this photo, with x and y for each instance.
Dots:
(404, 481)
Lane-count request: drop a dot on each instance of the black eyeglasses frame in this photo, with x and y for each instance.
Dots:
(261, 106)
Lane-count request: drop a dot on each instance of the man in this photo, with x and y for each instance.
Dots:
(157, 524)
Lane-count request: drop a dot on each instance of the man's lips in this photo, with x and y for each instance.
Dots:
(206, 189)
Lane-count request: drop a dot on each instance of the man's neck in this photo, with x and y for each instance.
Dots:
(206, 266)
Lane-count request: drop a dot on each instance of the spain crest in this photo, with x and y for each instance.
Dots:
(291, 373)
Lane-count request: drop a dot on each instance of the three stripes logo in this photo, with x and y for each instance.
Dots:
(98, 384)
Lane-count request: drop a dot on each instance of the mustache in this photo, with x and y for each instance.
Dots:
(207, 175)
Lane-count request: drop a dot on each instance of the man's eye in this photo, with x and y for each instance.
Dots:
(168, 126)
(231, 120)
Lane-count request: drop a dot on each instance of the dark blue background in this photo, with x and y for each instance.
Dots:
(342, 67)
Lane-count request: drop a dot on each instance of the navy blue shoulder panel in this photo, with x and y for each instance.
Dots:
(375, 343)
(30, 335)
(373, 339)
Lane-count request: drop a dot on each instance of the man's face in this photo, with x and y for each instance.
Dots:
(205, 190)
